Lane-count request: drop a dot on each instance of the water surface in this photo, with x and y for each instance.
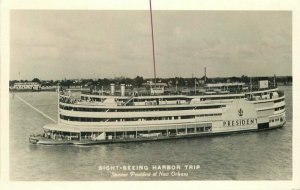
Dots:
(250, 156)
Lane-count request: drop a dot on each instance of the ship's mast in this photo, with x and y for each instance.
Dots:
(195, 85)
(153, 50)
(204, 75)
(251, 87)
(58, 97)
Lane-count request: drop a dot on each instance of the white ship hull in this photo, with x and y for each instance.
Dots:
(86, 123)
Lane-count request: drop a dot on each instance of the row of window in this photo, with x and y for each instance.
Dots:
(88, 119)
(206, 115)
(167, 99)
(280, 100)
(137, 110)
(276, 119)
(279, 108)
(194, 128)
(137, 99)
(221, 98)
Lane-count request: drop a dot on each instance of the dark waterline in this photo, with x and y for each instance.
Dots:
(250, 156)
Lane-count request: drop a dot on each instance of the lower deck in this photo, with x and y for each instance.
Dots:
(122, 137)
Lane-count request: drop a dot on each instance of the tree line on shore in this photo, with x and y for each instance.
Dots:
(139, 81)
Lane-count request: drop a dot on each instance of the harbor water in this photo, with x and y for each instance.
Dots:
(263, 155)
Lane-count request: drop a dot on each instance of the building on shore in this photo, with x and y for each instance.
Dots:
(26, 86)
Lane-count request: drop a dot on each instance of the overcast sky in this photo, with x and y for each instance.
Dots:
(97, 44)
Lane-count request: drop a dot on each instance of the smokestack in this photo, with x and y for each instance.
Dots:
(122, 89)
(112, 89)
(205, 74)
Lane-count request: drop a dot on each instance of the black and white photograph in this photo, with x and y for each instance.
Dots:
(149, 94)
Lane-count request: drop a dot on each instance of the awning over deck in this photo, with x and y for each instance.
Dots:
(73, 128)
(120, 128)
(61, 127)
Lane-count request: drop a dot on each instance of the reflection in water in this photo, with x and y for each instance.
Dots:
(251, 156)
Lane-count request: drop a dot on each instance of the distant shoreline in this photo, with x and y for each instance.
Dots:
(86, 89)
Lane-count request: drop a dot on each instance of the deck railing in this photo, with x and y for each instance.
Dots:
(67, 98)
(188, 91)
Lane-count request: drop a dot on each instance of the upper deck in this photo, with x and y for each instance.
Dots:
(176, 99)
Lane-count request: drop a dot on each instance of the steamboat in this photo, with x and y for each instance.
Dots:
(117, 116)
(158, 114)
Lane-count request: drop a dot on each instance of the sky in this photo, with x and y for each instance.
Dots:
(74, 44)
